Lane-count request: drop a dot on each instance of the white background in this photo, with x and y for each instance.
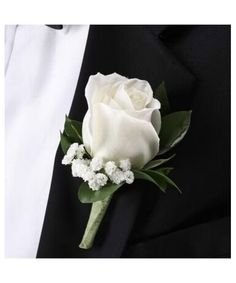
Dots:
(115, 270)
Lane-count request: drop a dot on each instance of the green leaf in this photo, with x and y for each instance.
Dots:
(161, 95)
(173, 128)
(73, 129)
(138, 174)
(86, 195)
(65, 142)
(162, 179)
(157, 162)
(165, 170)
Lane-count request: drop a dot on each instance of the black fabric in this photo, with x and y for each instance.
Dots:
(55, 26)
(194, 62)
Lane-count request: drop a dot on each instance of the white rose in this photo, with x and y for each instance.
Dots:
(123, 119)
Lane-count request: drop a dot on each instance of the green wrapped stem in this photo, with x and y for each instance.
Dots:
(97, 213)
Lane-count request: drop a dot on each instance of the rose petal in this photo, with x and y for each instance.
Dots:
(96, 85)
(140, 92)
(137, 139)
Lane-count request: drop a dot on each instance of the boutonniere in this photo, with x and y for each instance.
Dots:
(120, 140)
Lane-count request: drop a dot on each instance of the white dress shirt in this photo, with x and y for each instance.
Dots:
(42, 68)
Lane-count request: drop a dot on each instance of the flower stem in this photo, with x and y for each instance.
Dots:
(97, 213)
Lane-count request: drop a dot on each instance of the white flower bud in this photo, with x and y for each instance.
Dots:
(93, 184)
(96, 164)
(85, 161)
(110, 167)
(66, 160)
(117, 176)
(79, 169)
(70, 154)
(125, 164)
(101, 179)
(129, 177)
(88, 175)
(80, 151)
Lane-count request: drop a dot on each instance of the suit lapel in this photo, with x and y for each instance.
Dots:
(132, 51)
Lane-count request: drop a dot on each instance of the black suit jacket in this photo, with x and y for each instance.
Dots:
(194, 62)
